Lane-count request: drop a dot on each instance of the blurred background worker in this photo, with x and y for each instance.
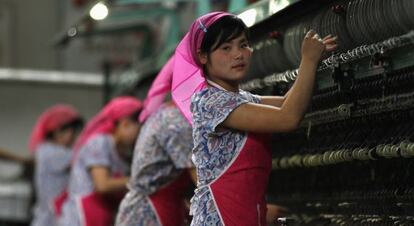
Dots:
(51, 142)
(100, 168)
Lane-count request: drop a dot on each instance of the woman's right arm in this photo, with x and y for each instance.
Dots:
(264, 118)
(8, 155)
(104, 182)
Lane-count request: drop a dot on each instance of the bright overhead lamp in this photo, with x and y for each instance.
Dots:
(99, 11)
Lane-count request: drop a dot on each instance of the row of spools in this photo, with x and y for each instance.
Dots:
(355, 22)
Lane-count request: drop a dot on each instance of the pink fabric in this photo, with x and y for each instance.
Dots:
(96, 210)
(104, 121)
(159, 89)
(169, 203)
(247, 178)
(100, 209)
(58, 202)
(53, 118)
(188, 76)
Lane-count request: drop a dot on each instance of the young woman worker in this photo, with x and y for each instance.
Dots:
(99, 173)
(51, 140)
(162, 164)
(230, 153)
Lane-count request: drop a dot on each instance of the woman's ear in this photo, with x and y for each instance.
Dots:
(202, 57)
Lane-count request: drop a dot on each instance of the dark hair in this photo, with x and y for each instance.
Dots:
(224, 30)
(75, 124)
(134, 116)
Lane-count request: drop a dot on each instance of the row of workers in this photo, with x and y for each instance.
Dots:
(212, 133)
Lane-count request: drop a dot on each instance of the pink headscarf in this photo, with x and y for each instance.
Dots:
(50, 120)
(104, 121)
(188, 76)
(159, 89)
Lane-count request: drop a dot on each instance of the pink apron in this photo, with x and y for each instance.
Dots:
(168, 202)
(58, 203)
(239, 193)
(99, 209)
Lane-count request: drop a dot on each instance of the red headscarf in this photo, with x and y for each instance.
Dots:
(188, 76)
(104, 121)
(49, 121)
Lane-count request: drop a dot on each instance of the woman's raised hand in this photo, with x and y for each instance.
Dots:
(313, 46)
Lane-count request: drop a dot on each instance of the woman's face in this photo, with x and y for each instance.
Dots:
(127, 131)
(65, 137)
(230, 61)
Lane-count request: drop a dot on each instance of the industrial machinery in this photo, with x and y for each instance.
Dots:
(351, 162)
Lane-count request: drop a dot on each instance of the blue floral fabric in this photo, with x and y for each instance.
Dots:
(51, 176)
(162, 151)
